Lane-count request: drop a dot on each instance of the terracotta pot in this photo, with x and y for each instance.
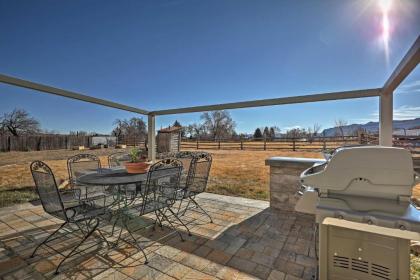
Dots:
(137, 167)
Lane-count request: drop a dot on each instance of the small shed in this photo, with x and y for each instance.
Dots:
(169, 139)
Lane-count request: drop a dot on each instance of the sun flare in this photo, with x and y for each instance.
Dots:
(385, 6)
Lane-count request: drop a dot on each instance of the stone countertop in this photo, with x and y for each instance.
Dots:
(287, 161)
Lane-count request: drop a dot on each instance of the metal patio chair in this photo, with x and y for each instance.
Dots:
(196, 181)
(158, 197)
(118, 159)
(76, 215)
(82, 164)
(186, 158)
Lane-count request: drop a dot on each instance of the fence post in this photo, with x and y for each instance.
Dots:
(197, 143)
(325, 143)
(265, 143)
(219, 144)
(38, 146)
(9, 144)
(294, 144)
(242, 144)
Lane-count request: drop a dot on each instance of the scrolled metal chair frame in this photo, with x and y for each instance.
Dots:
(80, 215)
(191, 190)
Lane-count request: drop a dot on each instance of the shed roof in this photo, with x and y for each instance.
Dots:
(170, 129)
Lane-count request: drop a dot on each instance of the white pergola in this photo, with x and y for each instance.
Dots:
(385, 94)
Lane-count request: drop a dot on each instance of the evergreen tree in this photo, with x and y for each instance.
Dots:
(266, 132)
(177, 124)
(258, 134)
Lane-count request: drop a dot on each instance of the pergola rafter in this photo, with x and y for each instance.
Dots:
(385, 93)
(69, 94)
(275, 101)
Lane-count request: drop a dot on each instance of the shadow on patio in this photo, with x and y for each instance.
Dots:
(247, 240)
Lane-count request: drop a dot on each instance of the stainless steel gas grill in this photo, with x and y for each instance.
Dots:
(361, 199)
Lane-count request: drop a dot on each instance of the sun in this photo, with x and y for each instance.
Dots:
(385, 6)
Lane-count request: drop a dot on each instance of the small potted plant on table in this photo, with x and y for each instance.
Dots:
(138, 162)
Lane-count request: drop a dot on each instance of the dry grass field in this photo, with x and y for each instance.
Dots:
(234, 172)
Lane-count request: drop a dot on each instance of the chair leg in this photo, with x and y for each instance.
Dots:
(48, 238)
(78, 245)
(186, 208)
(157, 221)
(179, 207)
(179, 220)
(171, 225)
(104, 238)
(146, 261)
(204, 211)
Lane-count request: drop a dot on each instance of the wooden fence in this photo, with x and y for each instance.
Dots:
(131, 141)
(294, 144)
(276, 144)
(42, 142)
(56, 142)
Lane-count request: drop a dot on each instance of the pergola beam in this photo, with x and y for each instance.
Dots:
(404, 68)
(151, 137)
(69, 94)
(275, 101)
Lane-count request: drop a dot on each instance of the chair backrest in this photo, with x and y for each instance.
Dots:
(118, 159)
(199, 173)
(162, 183)
(47, 189)
(82, 164)
(186, 158)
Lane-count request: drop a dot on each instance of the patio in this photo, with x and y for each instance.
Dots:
(248, 240)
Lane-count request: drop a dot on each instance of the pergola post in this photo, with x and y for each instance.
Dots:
(151, 137)
(385, 118)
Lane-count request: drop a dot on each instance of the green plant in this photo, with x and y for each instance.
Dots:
(137, 155)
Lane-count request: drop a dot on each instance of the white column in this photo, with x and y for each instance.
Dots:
(385, 119)
(151, 137)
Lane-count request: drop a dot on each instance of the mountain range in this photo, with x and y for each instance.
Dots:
(373, 127)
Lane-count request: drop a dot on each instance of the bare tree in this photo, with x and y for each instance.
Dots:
(134, 127)
(18, 122)
(313, 131)
(339, 127)
(295, 133)
(218, 124)
(194, 130)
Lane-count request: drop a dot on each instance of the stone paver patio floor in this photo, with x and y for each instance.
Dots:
(247, 240)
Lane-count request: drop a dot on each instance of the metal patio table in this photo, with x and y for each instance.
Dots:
(116, 180)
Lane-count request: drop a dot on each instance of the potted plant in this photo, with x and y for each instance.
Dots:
(138, 162)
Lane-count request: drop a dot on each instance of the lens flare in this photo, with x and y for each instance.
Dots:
(385, 6)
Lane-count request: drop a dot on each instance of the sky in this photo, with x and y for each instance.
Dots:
(175, 53)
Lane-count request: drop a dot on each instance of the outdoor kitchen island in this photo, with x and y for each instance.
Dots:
(360, 197)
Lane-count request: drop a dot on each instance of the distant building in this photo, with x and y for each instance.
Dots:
(169, 139)
(103, 140)
(407, 132)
